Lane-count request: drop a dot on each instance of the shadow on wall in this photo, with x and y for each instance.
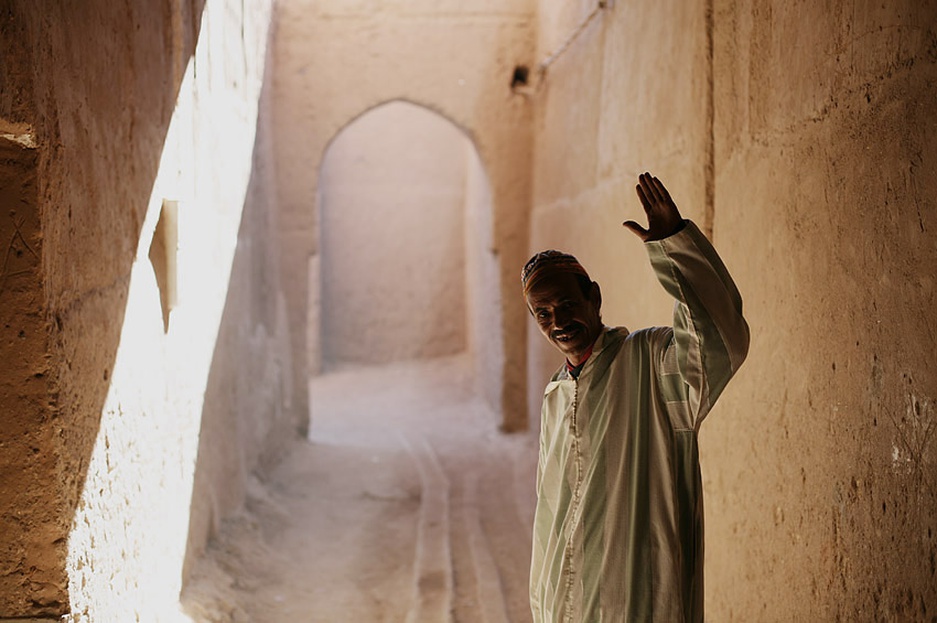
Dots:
(99, 125)
(406, 269)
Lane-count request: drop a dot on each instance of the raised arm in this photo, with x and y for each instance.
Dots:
(710, 336)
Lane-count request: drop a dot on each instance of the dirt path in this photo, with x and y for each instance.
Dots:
(406, 505)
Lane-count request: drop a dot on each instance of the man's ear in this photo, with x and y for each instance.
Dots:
(595, 294)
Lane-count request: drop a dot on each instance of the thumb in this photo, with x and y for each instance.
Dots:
(639, 231)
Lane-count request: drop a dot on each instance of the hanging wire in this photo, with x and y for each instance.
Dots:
(519, 80)
(549, 60)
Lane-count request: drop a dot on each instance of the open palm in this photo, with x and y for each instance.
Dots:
(663, 218)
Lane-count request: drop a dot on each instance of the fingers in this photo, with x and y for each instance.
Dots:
(663, 218)
(646, 201)
(653, 188)
(639, 231)
(661, 190)
(646, 184)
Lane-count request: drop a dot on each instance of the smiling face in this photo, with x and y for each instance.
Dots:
(567, 317)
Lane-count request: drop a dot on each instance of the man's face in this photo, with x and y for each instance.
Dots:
(568, 318)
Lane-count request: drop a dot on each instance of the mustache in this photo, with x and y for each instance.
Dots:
(571, 327)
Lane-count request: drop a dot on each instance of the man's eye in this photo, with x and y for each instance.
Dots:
(541, 315)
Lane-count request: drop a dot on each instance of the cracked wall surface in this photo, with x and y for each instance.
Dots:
(821, 474)
(32, 533)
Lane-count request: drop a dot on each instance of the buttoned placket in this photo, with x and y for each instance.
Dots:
(576, 449)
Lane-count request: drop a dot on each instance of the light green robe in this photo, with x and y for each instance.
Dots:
(618, 533)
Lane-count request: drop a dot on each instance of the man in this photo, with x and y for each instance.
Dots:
(618, 532)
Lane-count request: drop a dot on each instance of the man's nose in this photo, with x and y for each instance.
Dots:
(560, 318)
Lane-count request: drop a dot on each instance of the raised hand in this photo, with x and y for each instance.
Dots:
(663, 218)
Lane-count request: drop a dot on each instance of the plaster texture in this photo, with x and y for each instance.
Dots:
(107, 393)
(25, 470)
(821, 464)
(802, 137)
(335, 61)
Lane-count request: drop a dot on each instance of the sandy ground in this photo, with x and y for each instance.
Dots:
(405, 505)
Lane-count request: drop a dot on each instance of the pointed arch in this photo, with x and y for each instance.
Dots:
(405, 262)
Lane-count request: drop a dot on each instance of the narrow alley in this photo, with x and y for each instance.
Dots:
(266, 355)
(401, 507)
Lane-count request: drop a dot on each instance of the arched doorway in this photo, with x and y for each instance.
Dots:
(406, 269)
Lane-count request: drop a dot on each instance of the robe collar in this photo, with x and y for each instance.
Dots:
(572, 371)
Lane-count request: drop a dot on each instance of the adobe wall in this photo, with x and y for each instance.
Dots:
(821, 465)
(74, 103)
(335, 61)
(154, 105)
(811, 162)
(26, 472)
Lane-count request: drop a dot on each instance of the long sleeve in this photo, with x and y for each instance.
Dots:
(710, 336)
